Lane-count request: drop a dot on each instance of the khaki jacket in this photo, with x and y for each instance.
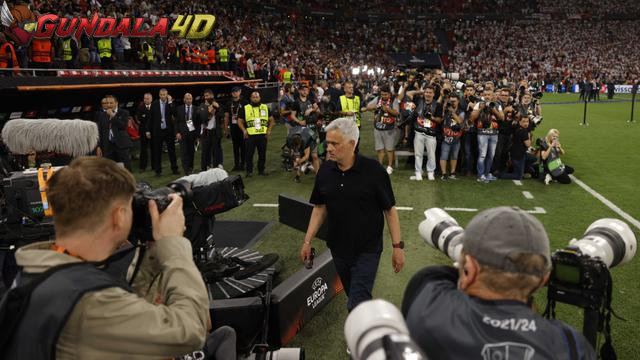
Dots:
(167, 316)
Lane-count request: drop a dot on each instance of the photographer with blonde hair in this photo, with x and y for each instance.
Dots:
(550, 151)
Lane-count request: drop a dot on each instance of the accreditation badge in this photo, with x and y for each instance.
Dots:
(257, 124)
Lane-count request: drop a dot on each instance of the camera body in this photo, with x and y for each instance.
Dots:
(141, 229)
(578, 279)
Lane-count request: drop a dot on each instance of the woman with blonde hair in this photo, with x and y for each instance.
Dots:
(554, 168)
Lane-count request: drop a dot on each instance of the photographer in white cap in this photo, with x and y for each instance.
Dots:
(483, 309)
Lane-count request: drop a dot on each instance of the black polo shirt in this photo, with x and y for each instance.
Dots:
(355, 201)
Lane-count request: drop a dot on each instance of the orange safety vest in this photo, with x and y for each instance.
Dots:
(5, 55)
(41, 50)
(196, 59)
(211, 54)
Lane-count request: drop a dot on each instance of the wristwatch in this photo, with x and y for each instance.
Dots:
(399, 245)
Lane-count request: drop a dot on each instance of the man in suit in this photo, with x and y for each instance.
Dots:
(143, 118)
(119, 149)
(188, 119)
(102, 121)
(211, 133)
(162, 131)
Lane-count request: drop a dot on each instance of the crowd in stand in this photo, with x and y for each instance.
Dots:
(551, 51)
(257, 42)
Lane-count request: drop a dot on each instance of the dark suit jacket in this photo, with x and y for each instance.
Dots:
(181, 120)
(143, 116)
(119, 124)
(156, 119)
(101, 119)
(219, 114)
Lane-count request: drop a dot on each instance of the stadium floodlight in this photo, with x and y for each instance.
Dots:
(364, 68)
(370, 72)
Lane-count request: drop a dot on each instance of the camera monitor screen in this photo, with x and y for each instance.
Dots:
(567, 273)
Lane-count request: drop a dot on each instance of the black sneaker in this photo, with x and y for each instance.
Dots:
(444, 178)
(297, 179)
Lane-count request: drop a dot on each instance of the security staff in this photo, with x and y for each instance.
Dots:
(8, 57)
(351, 104)
(286, 77)
(106, 55)
(211, 56)
(147, 54)
(224, 58)
(256, 123)
(41, 53)
(69, 50)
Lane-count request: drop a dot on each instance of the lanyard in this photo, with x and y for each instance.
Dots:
(59, 249)
(42, 184)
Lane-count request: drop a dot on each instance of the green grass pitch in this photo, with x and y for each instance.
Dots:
(605, 154)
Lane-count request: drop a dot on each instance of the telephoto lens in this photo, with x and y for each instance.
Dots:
(610, 240)
(442, 232)
(375, 330)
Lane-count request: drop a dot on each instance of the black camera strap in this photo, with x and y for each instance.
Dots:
(607, 352)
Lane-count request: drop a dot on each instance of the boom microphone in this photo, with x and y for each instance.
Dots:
(68, 137)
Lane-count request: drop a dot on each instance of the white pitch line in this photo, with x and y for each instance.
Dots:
(527, 195)
(404, 208)
(460, 209)
(537, 210)
(517, 182)
(606, 201)
(265, 205)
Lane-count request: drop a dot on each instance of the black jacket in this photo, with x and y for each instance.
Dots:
(198, 116)
(156, 119)
(143, 116)
(101, 119)
(119, 123)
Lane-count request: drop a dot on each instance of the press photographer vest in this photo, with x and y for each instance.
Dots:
(257, 119)
(353, 105)
(382, 120)
(487, 124)
(555, 165)
(452, 130)
(424, 121)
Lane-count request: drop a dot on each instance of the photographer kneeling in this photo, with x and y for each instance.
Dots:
(86, 308)
(483, 309)
(550, 151)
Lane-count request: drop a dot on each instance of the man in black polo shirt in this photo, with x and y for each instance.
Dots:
(352, 193)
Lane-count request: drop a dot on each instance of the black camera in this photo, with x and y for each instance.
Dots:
(474, 99)
(446, 92)
(577, 279)
(537, 95)
(141, 228)
(449, 106)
